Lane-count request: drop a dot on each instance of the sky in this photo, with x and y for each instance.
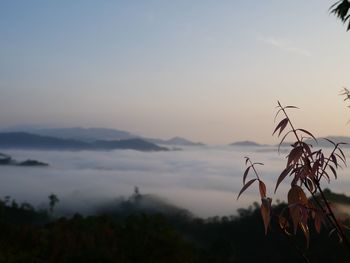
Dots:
(210, 71)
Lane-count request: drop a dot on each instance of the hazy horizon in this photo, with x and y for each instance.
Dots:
(204, 70)
(204, 180)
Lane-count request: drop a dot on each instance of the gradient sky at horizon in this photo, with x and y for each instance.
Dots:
(209, 71)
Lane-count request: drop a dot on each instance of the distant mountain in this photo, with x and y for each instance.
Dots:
(96, 134)
(178, 141)
(245, 143)
(21, 140)
(78, 133)
(321, 142)
(132, 144)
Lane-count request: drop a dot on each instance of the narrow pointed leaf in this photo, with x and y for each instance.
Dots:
(329, 141)
(342, 153)
(262, 189)
(281, 125)
(308, 133)
(291, 107)
(333, 171)
(246, 186)
(265, 214)
(246, 174)
(284, 137)
(283, 175)
(334, 160)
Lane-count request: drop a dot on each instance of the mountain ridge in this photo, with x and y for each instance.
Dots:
(22, 140)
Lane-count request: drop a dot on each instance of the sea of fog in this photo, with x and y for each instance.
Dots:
(204, 180)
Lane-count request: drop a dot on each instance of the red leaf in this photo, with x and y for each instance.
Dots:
(262, 189)
(283, 175)
(265, 212)
(318, 221)
(246, 186)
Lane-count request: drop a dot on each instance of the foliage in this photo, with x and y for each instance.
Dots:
(306, 168)
(341, 10)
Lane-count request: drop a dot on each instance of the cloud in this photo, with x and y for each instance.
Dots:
(203, 180)
(285, 45)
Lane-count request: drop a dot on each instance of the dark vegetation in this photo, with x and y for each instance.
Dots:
(129, 232)
(7, 160)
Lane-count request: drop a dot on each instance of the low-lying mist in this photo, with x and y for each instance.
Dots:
(203, 180)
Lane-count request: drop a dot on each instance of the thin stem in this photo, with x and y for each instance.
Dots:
(256, 173)
(331, 213)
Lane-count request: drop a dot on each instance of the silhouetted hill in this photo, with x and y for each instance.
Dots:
(133, 144)
(8, 160)
(21, 140)
(96, 134)
(245, 143)
(178, 141)
(321, 142)
(78, 133)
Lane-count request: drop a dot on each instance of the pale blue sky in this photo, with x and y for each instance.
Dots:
(206, 70)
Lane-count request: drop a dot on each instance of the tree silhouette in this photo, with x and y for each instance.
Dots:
(53, 201)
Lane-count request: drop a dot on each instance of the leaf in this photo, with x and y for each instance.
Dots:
(342, 153)
(265, 212)
(284, 137)
(330, 141)
(310, 185)
(295, 155)
(291, 107)
(306, 148)
(318, 221)
(262, 189)
(334, 160)
(278, 112)
(245, 174)
(325, 174)
(333, 171)
(281, 126)
(306, 232)
(296, 195)
(283, 175)
(294, 212)
(246, 186)
(341, 158)
(308, 133)
(296, 198)
(284, 224)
